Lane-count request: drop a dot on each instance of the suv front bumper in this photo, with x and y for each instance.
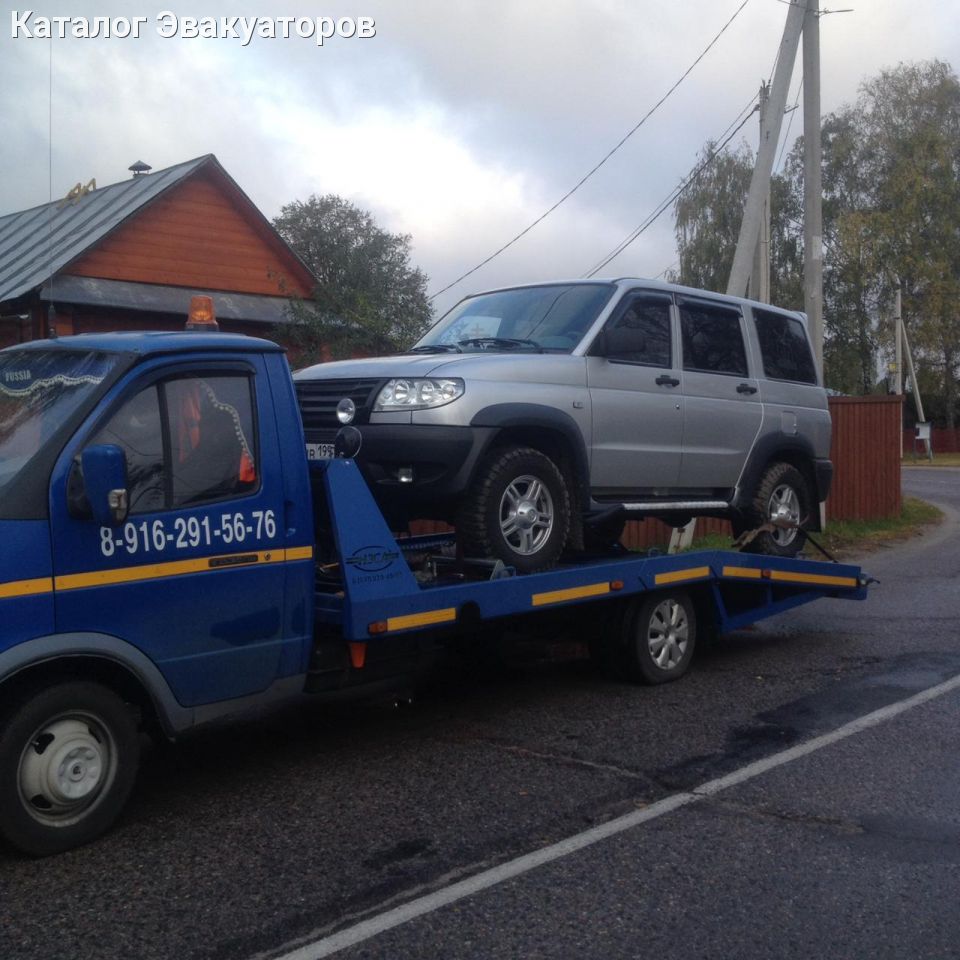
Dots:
(442, 460)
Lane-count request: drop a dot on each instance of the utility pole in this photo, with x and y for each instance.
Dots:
(898, 333)
(760, 275)
(812, 185)
(760, 182)
(898, 355)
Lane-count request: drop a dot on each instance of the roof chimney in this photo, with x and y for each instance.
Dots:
(139, 168)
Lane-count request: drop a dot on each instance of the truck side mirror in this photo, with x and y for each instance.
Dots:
(105, 483)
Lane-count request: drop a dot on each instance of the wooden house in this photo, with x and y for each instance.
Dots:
(130, 255)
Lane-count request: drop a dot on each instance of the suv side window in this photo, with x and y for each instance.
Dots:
(187, 441)
(784, 347)
(639, 332)
(712, 338)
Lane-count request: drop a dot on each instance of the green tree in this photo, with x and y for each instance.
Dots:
(891, 209)
(909, 119)
(891, 205)
(369, 299)
(707, 216)
(707, 219)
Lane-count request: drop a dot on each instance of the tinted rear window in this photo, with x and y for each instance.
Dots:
(712, 340)
(784, 347)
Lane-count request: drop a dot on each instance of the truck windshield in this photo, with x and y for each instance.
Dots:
(552, 318)
(39, 390)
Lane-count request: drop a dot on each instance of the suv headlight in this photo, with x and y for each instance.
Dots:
(417, 394)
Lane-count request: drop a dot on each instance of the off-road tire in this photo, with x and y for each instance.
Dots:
(785, 483)
(484, 514)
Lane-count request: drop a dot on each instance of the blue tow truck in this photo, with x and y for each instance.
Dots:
(169, 557)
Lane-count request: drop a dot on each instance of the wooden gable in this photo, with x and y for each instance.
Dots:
(202, 233)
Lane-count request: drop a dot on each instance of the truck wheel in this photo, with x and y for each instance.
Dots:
(68, 759)
(517, 510)
(782, 497)
(659, 638)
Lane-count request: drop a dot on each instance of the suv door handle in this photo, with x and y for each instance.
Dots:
(746, 388)
(666, 381)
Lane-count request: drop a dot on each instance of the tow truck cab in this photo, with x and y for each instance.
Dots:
(204, 437)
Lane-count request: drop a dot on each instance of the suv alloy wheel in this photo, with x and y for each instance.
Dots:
(783, 500)
(517, 510)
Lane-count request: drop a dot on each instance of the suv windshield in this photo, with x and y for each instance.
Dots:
(38, 391)
(553, 317)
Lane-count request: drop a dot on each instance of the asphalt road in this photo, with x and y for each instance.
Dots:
(255, 840)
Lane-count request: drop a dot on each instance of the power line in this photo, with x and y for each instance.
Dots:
(665, 204)
(666, 270)
(596, 167)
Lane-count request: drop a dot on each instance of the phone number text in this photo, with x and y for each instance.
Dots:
(186, 533)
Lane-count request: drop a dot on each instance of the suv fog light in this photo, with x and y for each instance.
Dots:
(346, 410)
(347, 442)
(405, 474)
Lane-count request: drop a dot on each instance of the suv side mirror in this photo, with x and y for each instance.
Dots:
(105, 483)
(599, 346)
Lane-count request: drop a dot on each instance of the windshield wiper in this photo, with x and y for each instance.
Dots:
(436, 348)
(507, 342)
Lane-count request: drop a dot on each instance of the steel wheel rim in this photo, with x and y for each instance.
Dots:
(783, 507)
(66, 768)
(526, 514)
(668, 634)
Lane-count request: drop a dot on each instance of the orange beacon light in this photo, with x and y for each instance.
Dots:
(201, 316)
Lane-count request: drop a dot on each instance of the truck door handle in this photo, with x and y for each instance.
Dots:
(746, 388)
(666, 381)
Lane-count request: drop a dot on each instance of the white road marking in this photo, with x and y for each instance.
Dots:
(350, 936)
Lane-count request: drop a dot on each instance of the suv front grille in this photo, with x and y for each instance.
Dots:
(318, 400)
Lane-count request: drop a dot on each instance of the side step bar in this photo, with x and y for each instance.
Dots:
(677, 505)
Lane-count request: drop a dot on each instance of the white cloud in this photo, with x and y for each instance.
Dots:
(459, 123)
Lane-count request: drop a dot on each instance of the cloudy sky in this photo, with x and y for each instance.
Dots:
(458, 123)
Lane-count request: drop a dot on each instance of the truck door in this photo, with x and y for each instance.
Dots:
(194, 576)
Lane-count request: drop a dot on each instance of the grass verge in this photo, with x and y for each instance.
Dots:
(939, 460)
(844, 538)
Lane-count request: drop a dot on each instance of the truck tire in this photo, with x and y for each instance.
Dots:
(782, 495)
(660, 635)
(517, 510)
(68, 760)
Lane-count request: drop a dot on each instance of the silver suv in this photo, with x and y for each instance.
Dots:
(540, 418)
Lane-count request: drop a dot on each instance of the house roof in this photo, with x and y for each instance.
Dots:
(124, 295)
(36, 244)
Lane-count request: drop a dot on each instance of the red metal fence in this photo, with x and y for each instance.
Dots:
(944, 441)
(866, 457)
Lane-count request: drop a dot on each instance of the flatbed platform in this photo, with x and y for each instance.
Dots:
(376, 593)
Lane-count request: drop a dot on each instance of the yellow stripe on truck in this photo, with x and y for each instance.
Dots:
(573, 593)
(783, 576)
(447, 615)
(26, 588)
(179, 568)
(750, 573)
(678, 576)
(787, 576)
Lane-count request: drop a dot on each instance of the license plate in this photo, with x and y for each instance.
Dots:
(319, 451)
